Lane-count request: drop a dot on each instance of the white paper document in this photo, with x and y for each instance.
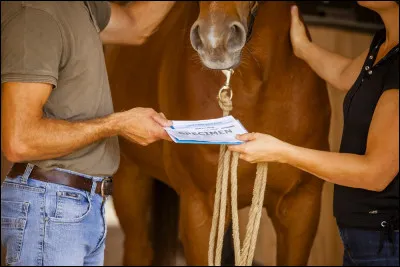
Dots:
(215, 131)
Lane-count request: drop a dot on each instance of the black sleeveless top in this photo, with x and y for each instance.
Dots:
(354, 207)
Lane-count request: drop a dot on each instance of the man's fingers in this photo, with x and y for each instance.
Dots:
(138, 140)
(165, 136)
(160, 119)
(159, 132)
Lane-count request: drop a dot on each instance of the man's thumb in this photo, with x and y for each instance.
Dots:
(162, 120)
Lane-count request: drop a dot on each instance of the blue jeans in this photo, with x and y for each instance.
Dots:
(361, 248)
(50, 224)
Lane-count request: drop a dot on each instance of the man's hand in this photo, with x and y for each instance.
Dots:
(28, 135)
(298, 35)
(142, 125)
(134, 23)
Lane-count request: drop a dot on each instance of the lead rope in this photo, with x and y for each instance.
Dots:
(243, 256)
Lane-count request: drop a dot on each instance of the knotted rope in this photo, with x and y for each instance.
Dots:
(243, 256)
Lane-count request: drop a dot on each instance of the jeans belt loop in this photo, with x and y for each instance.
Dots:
(103, 195)
(27, 173)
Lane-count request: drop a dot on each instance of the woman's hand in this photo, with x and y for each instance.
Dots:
(298, 35)
(260, 148)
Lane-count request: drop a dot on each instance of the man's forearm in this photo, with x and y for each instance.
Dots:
(50, 138)
(349, 170)
(147, 16)
(329, 66)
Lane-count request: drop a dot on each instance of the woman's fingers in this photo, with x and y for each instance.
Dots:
(246, 137)
(237, 148)
(295, 15)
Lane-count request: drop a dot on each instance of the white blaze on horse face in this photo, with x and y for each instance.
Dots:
(213, 38)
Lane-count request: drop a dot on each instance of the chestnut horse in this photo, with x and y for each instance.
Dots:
(177, 72)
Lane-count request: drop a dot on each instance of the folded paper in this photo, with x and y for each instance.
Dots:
(214, 131)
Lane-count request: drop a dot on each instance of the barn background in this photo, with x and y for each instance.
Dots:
(342, 27)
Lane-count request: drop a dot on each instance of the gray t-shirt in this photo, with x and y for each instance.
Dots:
(58, 42)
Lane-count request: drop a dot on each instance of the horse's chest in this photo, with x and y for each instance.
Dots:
(196, 166)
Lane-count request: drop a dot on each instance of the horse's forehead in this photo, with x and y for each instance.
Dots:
(213, 8)
(216, 9)
(218, 5)
(213, 5)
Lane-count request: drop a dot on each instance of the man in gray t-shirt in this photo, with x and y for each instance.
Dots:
(59, 126)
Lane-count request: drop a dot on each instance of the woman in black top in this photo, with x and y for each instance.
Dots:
(366, 171)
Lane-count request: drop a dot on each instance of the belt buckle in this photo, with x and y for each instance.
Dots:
(102, 187)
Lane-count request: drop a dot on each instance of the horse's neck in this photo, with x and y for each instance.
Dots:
(270, 44)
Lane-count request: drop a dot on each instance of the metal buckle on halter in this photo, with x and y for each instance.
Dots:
(227, 87)
(108, 180)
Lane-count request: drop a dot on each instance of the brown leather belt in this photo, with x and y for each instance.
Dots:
(103, 188)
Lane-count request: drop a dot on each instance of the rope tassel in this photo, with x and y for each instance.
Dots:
(229, 162)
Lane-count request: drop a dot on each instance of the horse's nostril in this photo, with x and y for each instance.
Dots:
(236, 37)
(195, 38)
(235, 29)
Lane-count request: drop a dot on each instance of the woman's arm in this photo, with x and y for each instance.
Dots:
(337, 70)
(372, 171)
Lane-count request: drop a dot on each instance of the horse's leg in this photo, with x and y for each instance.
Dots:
(195, 225)
(132, 200)
(295, 217)
(228, 252)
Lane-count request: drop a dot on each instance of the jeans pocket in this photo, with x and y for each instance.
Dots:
(13, 221)
(71, 206)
